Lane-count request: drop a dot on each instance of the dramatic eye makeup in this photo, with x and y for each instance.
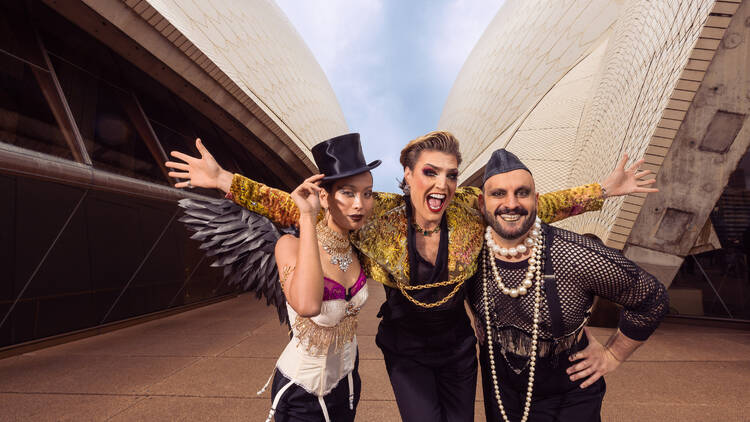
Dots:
(429, 171)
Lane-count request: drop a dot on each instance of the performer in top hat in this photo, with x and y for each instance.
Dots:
(325, 287)
(425, 334)
(316, 377)
(532, 296)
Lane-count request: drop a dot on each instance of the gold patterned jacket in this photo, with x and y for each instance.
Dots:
(382, 240)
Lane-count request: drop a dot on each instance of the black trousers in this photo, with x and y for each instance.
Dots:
(297, 404)
(432, 382)
(555, 397)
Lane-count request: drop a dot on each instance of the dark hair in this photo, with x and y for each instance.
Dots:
(439, 140)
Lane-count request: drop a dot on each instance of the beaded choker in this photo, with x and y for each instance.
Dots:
(335, 244)
(425, 232)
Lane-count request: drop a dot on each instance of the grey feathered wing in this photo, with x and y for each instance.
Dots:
(242, 242)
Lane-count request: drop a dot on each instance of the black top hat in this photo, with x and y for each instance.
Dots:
(341, 157)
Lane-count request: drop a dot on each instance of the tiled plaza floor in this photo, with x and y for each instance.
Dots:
(208, 363)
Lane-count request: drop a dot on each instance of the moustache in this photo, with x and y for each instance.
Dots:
(517, 210)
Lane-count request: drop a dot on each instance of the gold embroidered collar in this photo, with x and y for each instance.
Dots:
(382, 241)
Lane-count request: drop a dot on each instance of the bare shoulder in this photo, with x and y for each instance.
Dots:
(286, 250)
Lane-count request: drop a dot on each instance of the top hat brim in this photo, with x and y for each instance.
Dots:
(352, 172)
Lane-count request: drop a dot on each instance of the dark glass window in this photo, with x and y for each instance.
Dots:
(156, 277)
(177, 124)
(104, 116)
(102, 105)
(110, 260)
(57, 288)
(25, 116)
(101, 269)
(717, 283)
(7, 238)
(17, 35)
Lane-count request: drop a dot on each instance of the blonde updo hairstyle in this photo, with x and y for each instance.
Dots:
(434, 141)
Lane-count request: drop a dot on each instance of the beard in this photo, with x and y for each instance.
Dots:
(527, 221)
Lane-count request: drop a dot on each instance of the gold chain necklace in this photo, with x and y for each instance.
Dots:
(335, 244)
(404, 287)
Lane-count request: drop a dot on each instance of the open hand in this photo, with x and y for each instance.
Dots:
(626, 181)
(595, 361)
(306, 195)
(203, 172)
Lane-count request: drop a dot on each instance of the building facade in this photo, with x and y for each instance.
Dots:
(571, 89)
(93, 96)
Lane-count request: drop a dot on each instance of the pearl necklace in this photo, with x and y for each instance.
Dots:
(521, 248)
(531, 241)
(536, 268)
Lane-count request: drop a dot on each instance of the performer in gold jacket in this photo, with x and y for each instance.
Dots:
(422, 246)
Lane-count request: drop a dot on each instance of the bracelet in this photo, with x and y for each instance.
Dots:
(285, 275)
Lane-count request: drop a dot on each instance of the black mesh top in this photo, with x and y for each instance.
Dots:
(583, 268)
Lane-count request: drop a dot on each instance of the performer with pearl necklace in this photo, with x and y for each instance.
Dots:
(425, 334)
(531, 296)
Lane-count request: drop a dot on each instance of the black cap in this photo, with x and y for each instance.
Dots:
(341, 157)
(502, 161)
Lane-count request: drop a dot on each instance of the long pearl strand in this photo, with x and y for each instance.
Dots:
(523, 288)
(536, 253)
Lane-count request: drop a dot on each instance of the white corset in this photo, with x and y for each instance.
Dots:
(318, 370)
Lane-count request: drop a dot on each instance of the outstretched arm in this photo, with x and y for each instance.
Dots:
(301, 272)
(202, 172)
(275, 204)
(556, 206)
(205, 172)
(626, 181)
(559, 205)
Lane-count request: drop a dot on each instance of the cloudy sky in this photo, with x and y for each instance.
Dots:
(391, 63)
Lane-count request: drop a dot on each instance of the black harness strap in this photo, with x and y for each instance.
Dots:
(550, 287)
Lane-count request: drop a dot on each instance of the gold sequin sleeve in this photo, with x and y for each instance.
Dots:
(556, 206)
(278, 206)
(275, 204)
(468, 196)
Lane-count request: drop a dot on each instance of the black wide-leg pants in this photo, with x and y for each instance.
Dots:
(435, 384)
(554, 399)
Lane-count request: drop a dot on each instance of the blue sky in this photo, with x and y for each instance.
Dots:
(391, 64)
